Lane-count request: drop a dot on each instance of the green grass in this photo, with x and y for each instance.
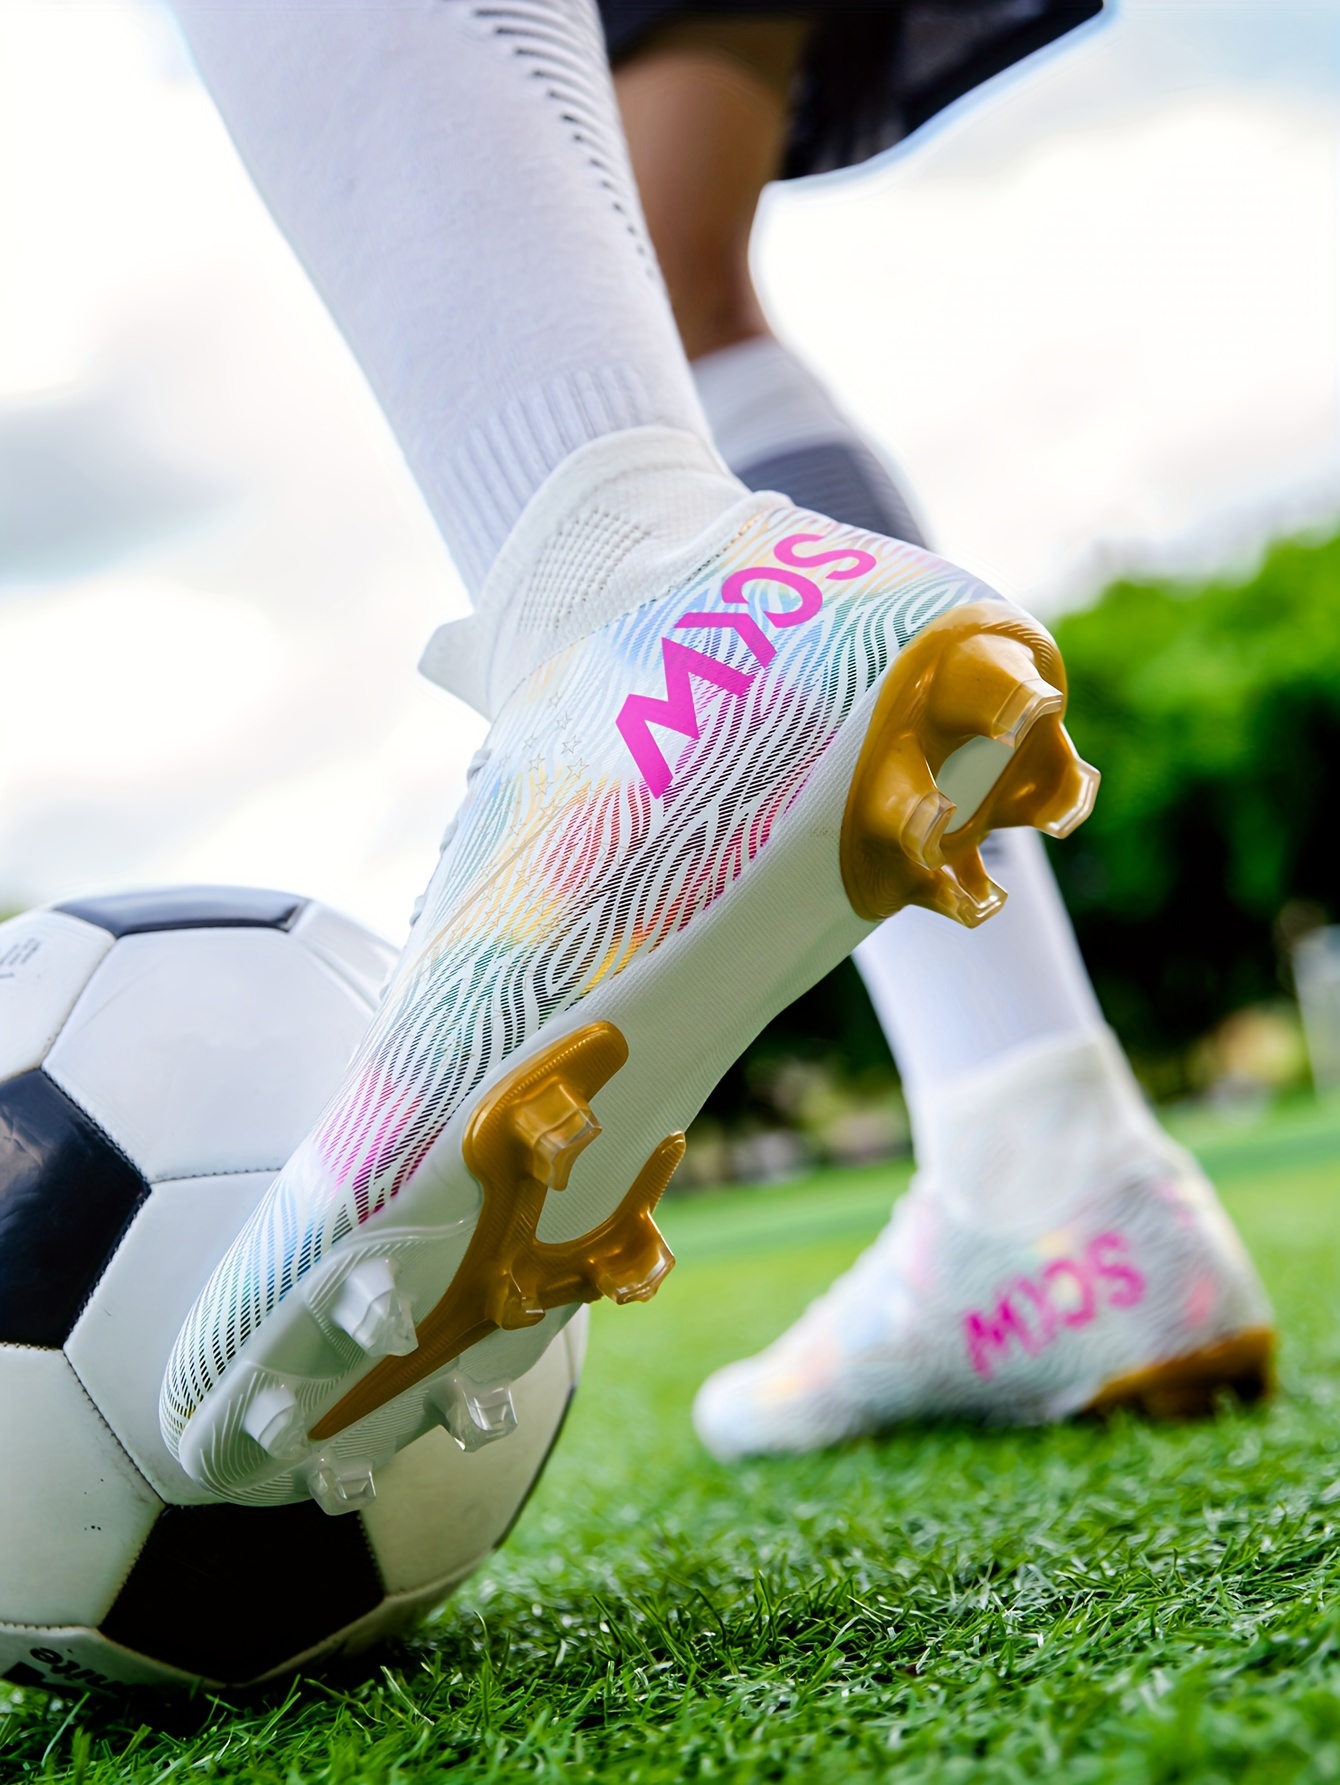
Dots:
(1123, 1603)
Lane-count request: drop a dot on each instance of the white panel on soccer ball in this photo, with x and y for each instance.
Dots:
(575, 1336)
(78, 1660)
(440, 1509)
(73, 1509)
(121, 1344)
(356, 953)
(205, 1051)
(46, 959)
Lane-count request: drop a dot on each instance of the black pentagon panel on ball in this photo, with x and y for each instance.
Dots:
(188, 908)
(230, 1592)
(67, 1194)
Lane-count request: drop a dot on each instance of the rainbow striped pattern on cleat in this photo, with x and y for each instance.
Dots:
(681, 820)
(1057, 1254)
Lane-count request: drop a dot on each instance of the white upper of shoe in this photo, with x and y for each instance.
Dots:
(656, 817)
(1056, 1240)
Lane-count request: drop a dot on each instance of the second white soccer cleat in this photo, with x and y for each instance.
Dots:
(1057, 1254)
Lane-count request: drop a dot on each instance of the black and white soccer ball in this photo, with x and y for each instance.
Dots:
(161, 1055)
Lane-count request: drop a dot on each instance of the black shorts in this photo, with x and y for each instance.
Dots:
(873, 74)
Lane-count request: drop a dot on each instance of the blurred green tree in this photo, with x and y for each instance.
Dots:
(1213, 712)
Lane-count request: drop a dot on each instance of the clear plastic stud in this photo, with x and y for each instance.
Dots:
(275, 1420)
(374, 1313)
(473, 1416)
(341, 1487)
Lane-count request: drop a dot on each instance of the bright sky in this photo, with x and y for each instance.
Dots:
(1093, 313)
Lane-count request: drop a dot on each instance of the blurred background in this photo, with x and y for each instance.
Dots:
(1092, 314)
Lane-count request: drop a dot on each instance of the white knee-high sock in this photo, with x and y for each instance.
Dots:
(779, 429)
(454, 177)
(1021, 1101)
(951, 1001)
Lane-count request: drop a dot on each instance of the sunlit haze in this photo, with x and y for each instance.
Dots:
(1092, 314)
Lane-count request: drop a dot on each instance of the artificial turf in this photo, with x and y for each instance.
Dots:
(1122, 1602)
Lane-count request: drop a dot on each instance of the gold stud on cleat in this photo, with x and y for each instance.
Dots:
(966, 738)
(555, 1125)
(522, 1142)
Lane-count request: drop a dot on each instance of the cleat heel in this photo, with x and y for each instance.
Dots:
(1189, 1387)
(374, 1313)
(966, 738)
(274, 1420)
(473, 1416)
(1054, 789)
(338, 1488)
(989, 684)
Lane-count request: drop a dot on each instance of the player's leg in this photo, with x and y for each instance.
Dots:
(706, 106)
(1026, 1117)
(729, 735)
(1056, 1252)
(430, 164)
(1027, 1121)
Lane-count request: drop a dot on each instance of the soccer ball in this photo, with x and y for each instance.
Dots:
(161, 1054)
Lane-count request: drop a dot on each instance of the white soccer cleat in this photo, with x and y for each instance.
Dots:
(1134, 1289)
(787, 730)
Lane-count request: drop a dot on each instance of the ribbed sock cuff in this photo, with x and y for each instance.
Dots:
(498, 467)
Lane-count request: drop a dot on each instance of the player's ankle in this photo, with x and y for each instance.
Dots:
(1069, 1099)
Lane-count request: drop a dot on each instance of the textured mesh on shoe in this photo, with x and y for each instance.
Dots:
(575, 568)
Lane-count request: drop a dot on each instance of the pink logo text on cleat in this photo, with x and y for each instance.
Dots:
(677, 710)
(1032, 1313)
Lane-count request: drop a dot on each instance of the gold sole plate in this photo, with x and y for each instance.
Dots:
(975, 701)
(521, 1144)
(1189, 1387)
